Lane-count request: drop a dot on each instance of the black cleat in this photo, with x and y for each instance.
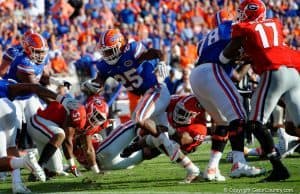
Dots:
(32, 178)
(277, 175)
(130, 150)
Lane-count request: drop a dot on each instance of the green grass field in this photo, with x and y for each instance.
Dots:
(159, 175)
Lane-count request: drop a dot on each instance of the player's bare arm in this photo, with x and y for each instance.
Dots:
(87, 146)
(150, 54)
(27, 88)
(26, 77)
(231, 51)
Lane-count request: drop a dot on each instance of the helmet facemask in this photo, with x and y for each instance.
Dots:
(111, 54)
(38, 55)
(182, 116)
(96, 118)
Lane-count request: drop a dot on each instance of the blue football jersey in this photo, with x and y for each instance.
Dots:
(135, 77)
(24, 64)
(211, 46)
(4, 88)
(12, 52)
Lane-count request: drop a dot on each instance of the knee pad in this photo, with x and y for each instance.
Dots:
(220, 138)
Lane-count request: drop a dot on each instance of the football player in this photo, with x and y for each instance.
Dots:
(28, 67)
(277, 64)
(186, 116)
(83, 138)
(136, 67)
(11, 53)
(9, 91)
(218, 95)
(56, 126)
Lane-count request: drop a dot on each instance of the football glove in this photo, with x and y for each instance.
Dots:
(162, 69)
(68, 103)
(91, 87)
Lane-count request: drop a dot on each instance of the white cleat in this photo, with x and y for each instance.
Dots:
(32, 164)
(191, 176)
(213, 174)
(286, 143)
(239, 169)
(20, 188)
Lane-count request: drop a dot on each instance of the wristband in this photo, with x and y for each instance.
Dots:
(223, 59)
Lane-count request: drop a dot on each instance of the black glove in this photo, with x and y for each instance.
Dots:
(67, 84)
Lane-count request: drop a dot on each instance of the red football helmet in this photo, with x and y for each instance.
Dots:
(36, 47)
(27, 33)
(96, 110)
(111, 45)
(186, 109)
(251, 10)
(222, 16)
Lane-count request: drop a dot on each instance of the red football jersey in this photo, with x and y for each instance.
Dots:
(54, 112)
(263, 41)
(197, 129)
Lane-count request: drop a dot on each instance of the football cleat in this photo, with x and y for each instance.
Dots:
(20, 188)
(32, 164)
(279, 174)
(239, 169)
(287, 144)
(191, 176)
(213, 174)
(130, 149)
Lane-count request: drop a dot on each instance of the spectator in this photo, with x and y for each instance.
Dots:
(58, 64)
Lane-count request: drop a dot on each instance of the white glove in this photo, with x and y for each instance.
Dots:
(162, 69)
(91, 87)
(68, 103)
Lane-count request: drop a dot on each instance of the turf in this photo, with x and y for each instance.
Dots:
(161, 176)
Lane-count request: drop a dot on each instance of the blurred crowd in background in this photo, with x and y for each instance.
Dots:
(72, 28)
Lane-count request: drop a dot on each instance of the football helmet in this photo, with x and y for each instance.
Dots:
(251, 10)
(36, 47)
(222, 16)
(186, 109)
(96, 110)
(27, 33)
(111, 45)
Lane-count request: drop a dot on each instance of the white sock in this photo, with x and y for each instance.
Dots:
(16, 163)
(187, 163)
(254, 151)
(16, 176)
(215, 157)
(238, 157)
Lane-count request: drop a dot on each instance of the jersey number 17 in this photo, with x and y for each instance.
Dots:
(262, 29)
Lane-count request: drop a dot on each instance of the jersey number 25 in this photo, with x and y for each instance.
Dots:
(129, 79)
